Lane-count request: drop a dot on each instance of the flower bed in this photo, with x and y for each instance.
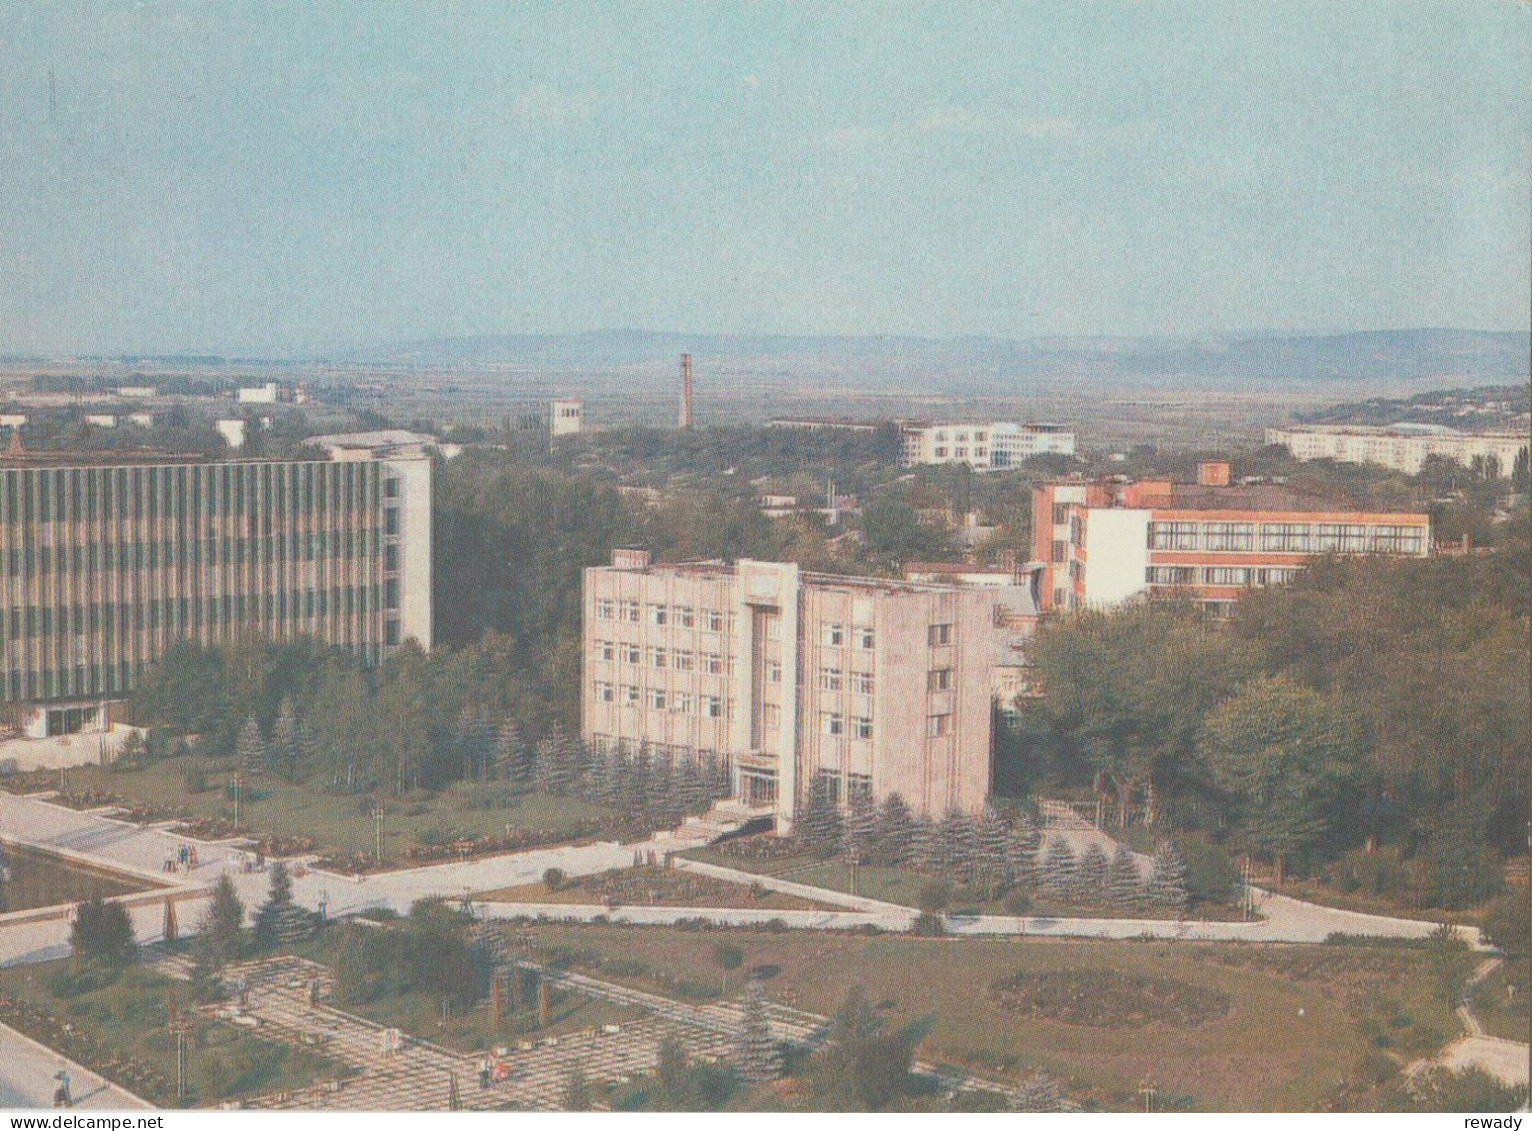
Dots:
(763, 846)
(1109, 999)
(90, 799)
(514, 841)
(154, 814)
(63, 1037)
(30, 781)
(207, 828)
(279, 846)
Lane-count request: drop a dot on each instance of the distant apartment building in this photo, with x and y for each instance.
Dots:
(800, 681)
(1403, 447)
(983, 447)
(109, 559)
(386, 443)
(267, 393)
(1105, 542)
(566, 418)
(546, 421)
(823, 424)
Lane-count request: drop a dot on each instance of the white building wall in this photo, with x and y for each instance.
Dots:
(415, 612)
(1117, 555)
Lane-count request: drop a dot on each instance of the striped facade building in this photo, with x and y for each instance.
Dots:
(107, 560)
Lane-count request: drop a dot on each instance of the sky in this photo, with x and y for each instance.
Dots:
(273, 179)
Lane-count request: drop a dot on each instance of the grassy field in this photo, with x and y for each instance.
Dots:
(1300, 1020)
(340, 823)
(130, 1019)
(1502, 1014)
(40, 879)
(652, 887)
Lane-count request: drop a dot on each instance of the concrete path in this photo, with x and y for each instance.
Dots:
(26, 1079)
(1504, 1059)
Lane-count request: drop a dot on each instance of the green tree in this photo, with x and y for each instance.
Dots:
(279, 921)
(223, 921)
(728, 957)
(102, 932)
(1288, 754)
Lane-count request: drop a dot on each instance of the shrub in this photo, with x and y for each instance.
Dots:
(929, 925)
(553, 879)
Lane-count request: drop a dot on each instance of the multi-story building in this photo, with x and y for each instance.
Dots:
(1101, 543)
(1403, 447)
(983, 447)
(108, 559)
(801, 681)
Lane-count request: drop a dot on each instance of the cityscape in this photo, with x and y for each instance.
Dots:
(1045, 696)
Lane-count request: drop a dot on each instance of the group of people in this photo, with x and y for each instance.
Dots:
(184, 860)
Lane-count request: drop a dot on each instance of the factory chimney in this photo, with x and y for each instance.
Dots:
(686, 390)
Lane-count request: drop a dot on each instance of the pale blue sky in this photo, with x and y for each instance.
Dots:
(270, 177)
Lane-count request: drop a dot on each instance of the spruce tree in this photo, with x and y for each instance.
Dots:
(758, 1057)
(280, 921)
(510, 753)
(925, 852)
(284, 738)
(305, 747)
(223, 921)
(1023, 849)
(993, 857)
(959, 834)
(892, 832)
(1167, 879)
(1091, 873)
(1124, 884)
(859, 841)
(1056, 878)
(1038, 1093)
(819, 823)
(250, 749)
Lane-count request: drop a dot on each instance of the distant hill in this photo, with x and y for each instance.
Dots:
(1232, 358)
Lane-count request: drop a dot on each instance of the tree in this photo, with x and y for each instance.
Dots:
(819, 823)
(1289, 754)
(250, 749)
(1056, 875)
(758, 1056)
(1167, 878)
(728, 957)
(1508, 922)
(102, 932)
(864, 1064)
(959, 835)
(1091, 873)
(892, 832)
(1124, 882)
(280, 921)
(223, 921)
(207, 974)
(1038, 1093)
(553, 878)
(860, 837)
(578, 1093)
(672, 1073)
(993, 862)
(283, 751)
(934, 896)
(1022, 851)
(510, 753)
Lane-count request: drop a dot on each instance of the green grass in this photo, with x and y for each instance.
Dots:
(341, 823)
(129, 1018)
(1502, 1015)
(1262, 1056)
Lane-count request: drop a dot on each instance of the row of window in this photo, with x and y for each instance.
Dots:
(829, 785)
(88, 493)
(836, 636)
(355, 545)
(611, 744)
(833, 679)
(1221, 575)
(664, 699)
(680, 659)
(23, 622)
(1288, 537)
(713, 620)
(833, 723)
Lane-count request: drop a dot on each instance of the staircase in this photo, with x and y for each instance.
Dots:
(725, 818)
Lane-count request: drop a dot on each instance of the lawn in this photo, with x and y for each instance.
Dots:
(41, 879)
(339, 824)
(1298, 1019)
(122, 1030)
(652, 887)
(1505, 1014)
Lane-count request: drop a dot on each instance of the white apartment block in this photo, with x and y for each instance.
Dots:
(799, 681)
(1401, 448)
(983, 447)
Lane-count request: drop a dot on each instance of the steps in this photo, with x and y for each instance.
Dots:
(725, 817)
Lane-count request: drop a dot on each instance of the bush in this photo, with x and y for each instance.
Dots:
(194, 780)
(929, 925)
(553, 879)
(1211, 874)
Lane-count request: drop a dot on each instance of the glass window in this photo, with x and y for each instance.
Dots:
(939, 679)
(938, 726)
(939, 634)
(833, 723)
(830, 679)
(861, 727)
(833, 635)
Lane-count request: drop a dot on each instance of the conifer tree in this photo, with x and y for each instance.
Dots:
(1038, 1093)
(1167, 878)
(819, 823)
(1056, 876)
(510, 753)
(959, 835)
(993, 852)
(926, 851)
(859, 841)
(280, 921)
(284, 739)
(758, 1057)
(1125, 884)
(250, 748)
(893, 829)
(1091, 873)
(1023, 849)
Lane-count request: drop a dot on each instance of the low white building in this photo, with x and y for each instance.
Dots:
(1401, 447)
(984, 447)
(269, 393)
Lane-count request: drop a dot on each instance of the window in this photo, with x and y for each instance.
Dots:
(865, 638)
(713, 620)
(939, 679)
(1170, 575)
(682, 703)
(938, 726)
(771, 714)
(832, 723)
(657, 698)
(630, 653)
(1172, 535)
(683, 661)
(1264, 577)
(832, 635)
(607, 650)
(941, 453)
(1228, 535)
(861, 683)
(773, 671)
(658, 657)
(606, 608)
(605, 693)
(1398, 539)
(630, 611)
(1286, 537)
(1060, 514)
(659, 614)
(859, 787)
(712, 706)
(861, 727)
(830, 679)
(939, 634)
(630, 694)
(1225, 575)
(712, 663)
(1060, 552)
(684, 615)
(1340, 538)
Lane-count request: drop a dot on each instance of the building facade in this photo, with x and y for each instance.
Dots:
(1403, 447)
(108, 561)
(800, 681)
(1105, 542)
(983, 447)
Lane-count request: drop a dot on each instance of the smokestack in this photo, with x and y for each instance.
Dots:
(686, 390)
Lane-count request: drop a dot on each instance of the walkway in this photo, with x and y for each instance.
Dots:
(27, 1079)
(1504, 1059)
